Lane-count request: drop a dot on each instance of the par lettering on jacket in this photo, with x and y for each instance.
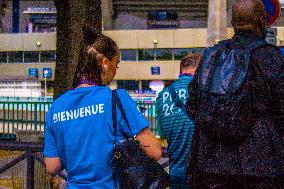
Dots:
(78, 113)
(168, 104)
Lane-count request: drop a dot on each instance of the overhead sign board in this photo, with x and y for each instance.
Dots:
(162, 19)
(43, 18)
(273, 10)
(39, 10)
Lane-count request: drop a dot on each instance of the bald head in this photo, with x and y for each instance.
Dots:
(248, 15)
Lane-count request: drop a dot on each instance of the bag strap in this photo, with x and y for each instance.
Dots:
(114, 124)
(114, 118)
(176, 100)
(119, 104)
(116, 101)
(258, 44)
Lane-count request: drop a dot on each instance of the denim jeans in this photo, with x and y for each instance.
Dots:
(179, 182)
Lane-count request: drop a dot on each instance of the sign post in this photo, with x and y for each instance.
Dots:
(45, 86)
(33, 72)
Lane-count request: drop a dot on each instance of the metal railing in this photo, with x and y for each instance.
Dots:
(18, 115)
(30, 153)
(25, 99)
(21, 116)
(150, 114)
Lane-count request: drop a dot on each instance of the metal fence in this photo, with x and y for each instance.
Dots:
(21, 116)
(16, 114)
(150, 114)
(25, 99)
(27, 153)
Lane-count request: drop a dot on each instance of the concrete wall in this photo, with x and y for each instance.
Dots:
(140, 39)
(134, 39)
(27, 42)
(130, 39)
(142, 70)
(22, 70)
(127, 70)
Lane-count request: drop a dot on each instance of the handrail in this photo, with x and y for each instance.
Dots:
(30, 148)
(21, 146)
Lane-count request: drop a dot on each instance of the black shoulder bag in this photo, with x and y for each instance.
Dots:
(132, 168)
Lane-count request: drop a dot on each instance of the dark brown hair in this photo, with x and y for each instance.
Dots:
(95, 47)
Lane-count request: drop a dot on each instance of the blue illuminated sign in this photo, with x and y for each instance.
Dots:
(33, 72)
(282, 50)
(46, 73)
(155, 70)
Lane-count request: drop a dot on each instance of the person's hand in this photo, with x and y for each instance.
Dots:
(57, 182)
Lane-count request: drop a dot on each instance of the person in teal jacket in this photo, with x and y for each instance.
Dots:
(174, 124)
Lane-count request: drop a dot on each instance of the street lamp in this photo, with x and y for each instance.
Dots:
(38, 44)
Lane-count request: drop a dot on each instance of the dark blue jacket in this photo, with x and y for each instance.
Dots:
(261, 154)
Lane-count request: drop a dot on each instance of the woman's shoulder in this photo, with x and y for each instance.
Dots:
(123, 93)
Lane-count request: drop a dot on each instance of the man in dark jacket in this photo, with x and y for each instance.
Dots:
(255, 160)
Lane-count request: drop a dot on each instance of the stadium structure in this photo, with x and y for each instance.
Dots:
(152, 35)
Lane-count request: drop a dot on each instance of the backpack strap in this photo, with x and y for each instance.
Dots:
(251, 47)
(176, 100)
(214, 64)
(255, 65)
(258, 44)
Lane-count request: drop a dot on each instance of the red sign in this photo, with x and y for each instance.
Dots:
(273, 10)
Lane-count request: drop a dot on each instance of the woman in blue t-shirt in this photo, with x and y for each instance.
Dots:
(79, 133)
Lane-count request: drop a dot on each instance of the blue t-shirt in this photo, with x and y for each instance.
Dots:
(175, 126)
(79, 130)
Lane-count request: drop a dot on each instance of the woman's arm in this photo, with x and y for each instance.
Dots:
(53, 165)
(51, 155)
(150, 144)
